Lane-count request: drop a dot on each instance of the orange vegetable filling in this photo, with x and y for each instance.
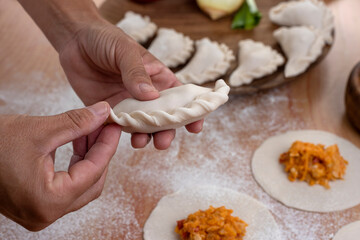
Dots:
(314, 164)
(211, 224)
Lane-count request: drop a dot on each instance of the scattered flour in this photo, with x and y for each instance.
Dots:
(220, 156)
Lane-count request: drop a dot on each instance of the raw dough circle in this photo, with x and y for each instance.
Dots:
(270, 174)
(349, 232)
(162, 221)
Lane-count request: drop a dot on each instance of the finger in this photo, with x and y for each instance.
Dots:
(73, 124)
(152, 65)
(80, 146)
(165, 79)
(92, 137)
(195, 127)
(85, 173)
(90, 195)
(140, 140)
(162, 77)
(163, 139)
(74, 159)
(135, 78)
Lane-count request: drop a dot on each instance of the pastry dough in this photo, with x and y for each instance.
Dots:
(305, 13)
(138, 27)
(210, 61)
(174, 108)
(162, 221)
(256, 60)
(349, 232)
(171, 47)
(271, 176)
(302, 46)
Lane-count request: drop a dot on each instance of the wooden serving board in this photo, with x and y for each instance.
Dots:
(184, 16)
(31, 74)
(352, 97)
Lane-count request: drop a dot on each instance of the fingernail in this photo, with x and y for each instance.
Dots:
(145, 88)
(100, 108)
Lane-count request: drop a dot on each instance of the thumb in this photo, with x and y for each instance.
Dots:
(74, 124)
(135, 78)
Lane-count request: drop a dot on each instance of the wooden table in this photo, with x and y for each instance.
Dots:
(32, 81)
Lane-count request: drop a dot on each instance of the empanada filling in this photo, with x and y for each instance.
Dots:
(211, 224)
(313, 164)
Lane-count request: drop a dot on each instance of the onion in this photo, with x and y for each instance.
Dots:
(219, 8)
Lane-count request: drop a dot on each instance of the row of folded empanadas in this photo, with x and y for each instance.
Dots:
(311, 26)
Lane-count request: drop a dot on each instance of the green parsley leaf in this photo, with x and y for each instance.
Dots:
(247, 17)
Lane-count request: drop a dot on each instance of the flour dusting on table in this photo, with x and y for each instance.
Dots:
(220, 156)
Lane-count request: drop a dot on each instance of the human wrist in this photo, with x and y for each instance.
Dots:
(60, 20)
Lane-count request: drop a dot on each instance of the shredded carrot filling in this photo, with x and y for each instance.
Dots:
(211, 224)
(314, 164)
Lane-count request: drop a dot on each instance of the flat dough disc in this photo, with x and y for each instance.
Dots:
(162, 221)
(270, 174)
(349, 232)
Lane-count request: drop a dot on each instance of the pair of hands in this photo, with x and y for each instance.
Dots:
(104, 66)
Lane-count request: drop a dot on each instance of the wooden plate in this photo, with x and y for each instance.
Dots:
(352, 97)
(184, 16)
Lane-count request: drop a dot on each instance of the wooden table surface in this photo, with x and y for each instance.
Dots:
(32, 82)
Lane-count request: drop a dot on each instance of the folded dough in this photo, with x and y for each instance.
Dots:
(256, 60)
(305, 13)
(171, 47)
(174, 108)
(138, 27)
(302, 46)
(210, 61)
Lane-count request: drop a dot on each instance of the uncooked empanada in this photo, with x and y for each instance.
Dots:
(256, 60)
(302, 46)
(171, 47)
(211, 60)
(174, 108)
(138, 27)
(305, 13)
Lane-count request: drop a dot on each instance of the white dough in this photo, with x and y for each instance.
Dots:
(271, 176)
(349, 232)
(211, 60)
(177, 206)
(176, 107)
(138, 27)
(171, 47)
(305, 13)
(302, 46)
(256, 60)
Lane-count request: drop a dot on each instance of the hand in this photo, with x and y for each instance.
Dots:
(32, 194)
(102, 63)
